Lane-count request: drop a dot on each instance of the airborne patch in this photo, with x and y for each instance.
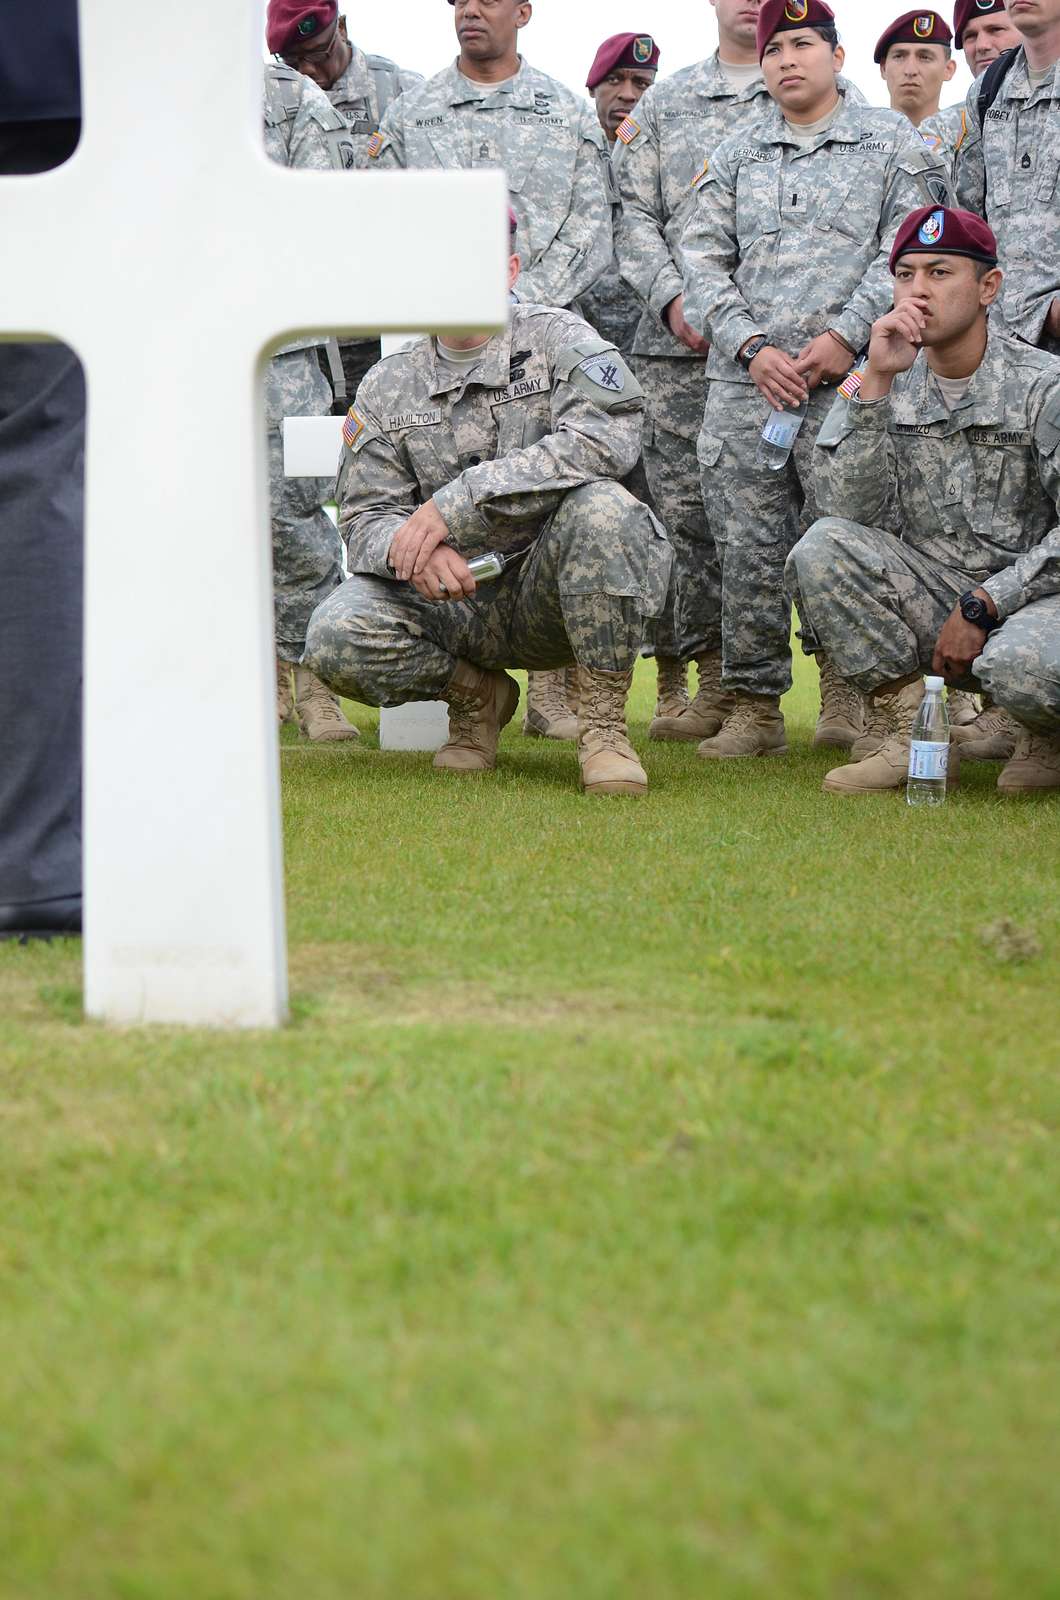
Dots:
(627, 130)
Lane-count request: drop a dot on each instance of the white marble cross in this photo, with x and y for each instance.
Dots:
(168, 252)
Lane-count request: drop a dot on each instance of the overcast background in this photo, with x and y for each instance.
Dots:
(562, 36)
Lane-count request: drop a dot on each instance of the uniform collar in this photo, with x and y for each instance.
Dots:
(1017, 84)
(982, 405)
(492, 373)
(355, 83)
(708, 78)
(846, 129)
(461, 91)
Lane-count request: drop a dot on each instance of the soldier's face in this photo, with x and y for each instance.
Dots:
(984, 39)
(738, 21)
(948, 290)
(915, 73)
(800, 69)
(617, 94)
(488, 29)
(1034, 17)
(326, 59)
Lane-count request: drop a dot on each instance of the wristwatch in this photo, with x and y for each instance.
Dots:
(975, 610)
(749, 351)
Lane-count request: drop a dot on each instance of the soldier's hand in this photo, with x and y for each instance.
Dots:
(778, 379)
(895, 341)
(959, 644)
(445, 576)
(823, 360)
(675, 321)
(414, 543)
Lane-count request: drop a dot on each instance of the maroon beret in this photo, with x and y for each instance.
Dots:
(915, 27)
(967, 10)
(622, 50)
(290, 23)
(942, 231)
(781, 16)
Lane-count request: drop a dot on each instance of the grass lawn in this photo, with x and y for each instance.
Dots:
(648, 1200)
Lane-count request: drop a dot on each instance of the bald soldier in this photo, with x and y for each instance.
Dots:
(508, 446)
(311, 36)
(302, 129)
(983, 30)
(492, 109)
(785, 271)
(940, 480)
(661, 149)
(915, 59)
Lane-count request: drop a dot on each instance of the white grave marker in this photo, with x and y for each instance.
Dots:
(168, 252)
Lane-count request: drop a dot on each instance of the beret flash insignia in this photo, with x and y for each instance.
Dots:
(796, 10)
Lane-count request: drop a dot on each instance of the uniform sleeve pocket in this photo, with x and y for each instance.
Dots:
(708, 450)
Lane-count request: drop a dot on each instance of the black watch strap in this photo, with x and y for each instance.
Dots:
(749, 351)
(975, 610)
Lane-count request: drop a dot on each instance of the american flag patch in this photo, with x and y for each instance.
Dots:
(627, 130)
(851, 384)
(352, 428)
(375, 144)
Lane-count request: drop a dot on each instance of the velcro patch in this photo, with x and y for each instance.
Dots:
(375, 144)
(606, 370)
(627, 130)
(998, 438)
(352, 428)
(413, 419)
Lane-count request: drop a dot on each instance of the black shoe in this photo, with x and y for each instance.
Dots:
(42, 919)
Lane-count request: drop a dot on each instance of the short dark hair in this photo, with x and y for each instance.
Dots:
(829, 34)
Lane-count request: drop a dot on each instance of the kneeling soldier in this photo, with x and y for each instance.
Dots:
(942, 477)
(514, 445)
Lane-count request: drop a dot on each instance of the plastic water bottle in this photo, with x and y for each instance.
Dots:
(778, 437)
(929, 753)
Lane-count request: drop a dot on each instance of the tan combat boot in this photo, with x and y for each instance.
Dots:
(549, 714)
(991, 737)
(1035, 766)
(842, 718)
(671, 695)
(707, 712)
(961, 708)
(877, 729)
(319, 713)
(480, 703)
(895, 707)
(607, 759)
(284, 692)
(754, 727)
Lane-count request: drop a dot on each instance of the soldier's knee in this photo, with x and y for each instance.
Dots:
(338, 638)
(813, 557)
(1020, 669)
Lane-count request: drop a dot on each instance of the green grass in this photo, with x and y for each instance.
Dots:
(648, 1199)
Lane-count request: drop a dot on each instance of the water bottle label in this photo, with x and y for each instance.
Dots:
(928, 760)
(781, 431)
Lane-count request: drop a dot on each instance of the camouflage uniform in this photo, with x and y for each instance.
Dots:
(553, 152)
(787, 241)
(1010, 174)
(301, 130)
(664, 145)
(946, 127)
(922, 505)
(361, 95)
(522, 451)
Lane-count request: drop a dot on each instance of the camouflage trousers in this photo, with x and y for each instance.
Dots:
(756, 516)
(306, 548)
(876, 606)
(674, 391)
(599, 569)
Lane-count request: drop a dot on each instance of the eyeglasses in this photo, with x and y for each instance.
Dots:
(320, 52)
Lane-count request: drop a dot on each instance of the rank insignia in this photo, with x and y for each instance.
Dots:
(352, 428)
(797, 10)
(932, 228)
(627, 130)
(924, 25)
(375, 144)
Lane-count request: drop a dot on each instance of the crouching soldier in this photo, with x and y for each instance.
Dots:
(942, 479)
(510, 445)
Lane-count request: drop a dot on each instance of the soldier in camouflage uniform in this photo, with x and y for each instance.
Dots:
(941, 480)
(301, 130)
(514, 445)
(1009, 172)
(982, 29)
(658, 155)
(311, 36)
(492, 109)
(785, 271)
(915, 58)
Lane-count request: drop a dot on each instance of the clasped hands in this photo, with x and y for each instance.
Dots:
(420, 556)
(787, 382)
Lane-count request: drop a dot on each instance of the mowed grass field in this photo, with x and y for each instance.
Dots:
(648, 1200)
